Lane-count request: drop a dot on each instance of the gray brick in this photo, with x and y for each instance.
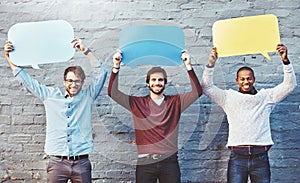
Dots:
(202, 158)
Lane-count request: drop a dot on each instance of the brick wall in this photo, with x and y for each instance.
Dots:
(203, 131)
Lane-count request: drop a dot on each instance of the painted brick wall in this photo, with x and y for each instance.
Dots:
(203, 131)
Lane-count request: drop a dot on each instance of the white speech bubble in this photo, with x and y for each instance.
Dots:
(41, 42)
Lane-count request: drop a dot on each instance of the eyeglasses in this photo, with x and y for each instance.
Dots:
(71, 81)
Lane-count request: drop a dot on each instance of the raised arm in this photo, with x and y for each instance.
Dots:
(188, 98)
(279, 92)
(77, 43)
(99, 75)
(32, 85)
(209, 89)
(196, 87)
(283, 53)
(8, 47)
(186, 58)
(113, 90)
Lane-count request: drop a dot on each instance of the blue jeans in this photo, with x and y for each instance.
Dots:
(240, 167)
(166, 171)
(61, 170)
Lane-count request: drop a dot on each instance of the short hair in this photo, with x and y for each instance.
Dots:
(77, 71)
(245, 68)
(156, 70)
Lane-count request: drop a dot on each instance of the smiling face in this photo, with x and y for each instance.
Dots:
(73, 83)
(156, 83)
(156, 80)
(245, 79)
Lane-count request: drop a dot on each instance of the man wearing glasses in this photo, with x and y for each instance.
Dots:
(68, 113)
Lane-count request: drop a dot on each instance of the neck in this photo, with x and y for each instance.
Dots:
(252, 92)
(156, 96)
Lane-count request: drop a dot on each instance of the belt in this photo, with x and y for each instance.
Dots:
(158, 156)
(249, 149)
(74, 158)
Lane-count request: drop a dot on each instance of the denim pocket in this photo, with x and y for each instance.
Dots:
(50, 165)
(233, 156)
(264, 157)
(85, 164)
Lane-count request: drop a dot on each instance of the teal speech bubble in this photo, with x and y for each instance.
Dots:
(154, 45)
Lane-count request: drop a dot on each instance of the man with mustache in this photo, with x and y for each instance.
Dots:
(156, 118)
(248, 112)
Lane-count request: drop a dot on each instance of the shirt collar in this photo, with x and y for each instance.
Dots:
(253, 92)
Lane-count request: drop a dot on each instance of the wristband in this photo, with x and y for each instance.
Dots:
(87, 51)
(208, 66)
(286, 63)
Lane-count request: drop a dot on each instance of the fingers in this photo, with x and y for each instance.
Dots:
(185, 56)
(77, 43)
(8, 46)
(281, 48)
(282, 51)
(214, 51)
(117, 57)
(213, 54)
(75, 40)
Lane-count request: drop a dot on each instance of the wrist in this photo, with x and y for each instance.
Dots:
(115, 69)
(286, 61)
(209, 65)
(116, 65)
(87, 51)
(188, 67)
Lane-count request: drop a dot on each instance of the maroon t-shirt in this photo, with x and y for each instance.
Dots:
(156, 126)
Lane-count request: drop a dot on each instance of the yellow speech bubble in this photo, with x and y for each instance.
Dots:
(246, 35)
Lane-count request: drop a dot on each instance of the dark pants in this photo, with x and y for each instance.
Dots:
(166, 171)
(240, 167)
(61, 170)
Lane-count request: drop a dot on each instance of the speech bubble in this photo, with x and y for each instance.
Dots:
(41, 42)
(246, 35)
(154, 45)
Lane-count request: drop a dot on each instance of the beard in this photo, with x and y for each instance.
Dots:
(73, 91)
(157, 92)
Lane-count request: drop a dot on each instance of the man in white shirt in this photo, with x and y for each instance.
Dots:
(248, 112)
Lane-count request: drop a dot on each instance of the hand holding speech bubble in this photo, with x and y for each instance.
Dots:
(246, 35)
(41, 42)
(155, 45)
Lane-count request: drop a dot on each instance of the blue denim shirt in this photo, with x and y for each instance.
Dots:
(68, 129)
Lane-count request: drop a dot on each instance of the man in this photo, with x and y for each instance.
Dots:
(248, 112)
(156, 118)
(68, 114)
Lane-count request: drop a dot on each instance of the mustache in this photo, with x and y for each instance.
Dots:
(160, 85)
